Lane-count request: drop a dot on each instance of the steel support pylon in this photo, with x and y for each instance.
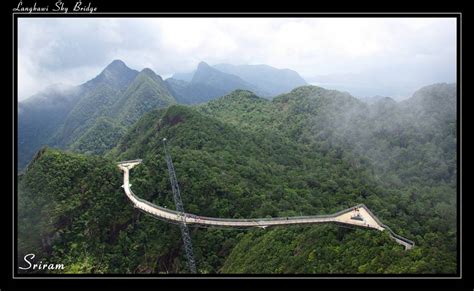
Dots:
(188, 246)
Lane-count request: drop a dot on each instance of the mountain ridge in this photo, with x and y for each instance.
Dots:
(104, 96)
(266, 81)
(306, 152)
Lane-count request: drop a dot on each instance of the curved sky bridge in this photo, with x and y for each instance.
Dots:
(358, 215)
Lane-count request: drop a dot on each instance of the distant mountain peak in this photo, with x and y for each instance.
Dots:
(203, 72)
(115, 68)
(270, 80)
(116, 74)
(203, 66)
(151, 74)
(116, 65)
(148, 71)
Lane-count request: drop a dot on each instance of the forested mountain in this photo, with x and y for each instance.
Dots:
(100, 94)
(206, 82)
(92, 117)
(110, 111)
(116, 75)
(271, 80)
(145, 93)
(310, 151)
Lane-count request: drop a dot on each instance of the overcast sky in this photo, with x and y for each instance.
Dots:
(364, 56)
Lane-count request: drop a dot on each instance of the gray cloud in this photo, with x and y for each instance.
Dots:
(391, 57)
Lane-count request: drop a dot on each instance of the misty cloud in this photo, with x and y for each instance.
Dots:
(366, 57)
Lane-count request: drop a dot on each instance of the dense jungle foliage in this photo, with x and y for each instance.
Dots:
(311, 151)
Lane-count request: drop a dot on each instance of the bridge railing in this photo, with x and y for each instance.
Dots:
(129, 161)
(393, 234)
(292, 218)
(174, 212)
(289, 218)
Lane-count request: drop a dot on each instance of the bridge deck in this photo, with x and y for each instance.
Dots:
(363, 216)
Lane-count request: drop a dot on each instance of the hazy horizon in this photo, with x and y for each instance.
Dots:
(364, 56)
